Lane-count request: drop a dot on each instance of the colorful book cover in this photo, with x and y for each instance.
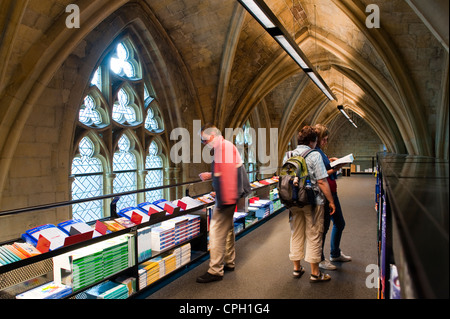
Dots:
(47, 291)
(113, 225)
(125, 222)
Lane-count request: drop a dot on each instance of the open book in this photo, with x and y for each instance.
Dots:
(343, 160)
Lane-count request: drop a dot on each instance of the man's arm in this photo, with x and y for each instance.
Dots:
(325, 188)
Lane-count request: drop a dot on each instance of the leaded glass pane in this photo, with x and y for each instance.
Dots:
(121, 64)
(124, 160)
(154, 176)
(87, 186)
(125, 182)
(121, 110)
(150, 122)
(88, 114)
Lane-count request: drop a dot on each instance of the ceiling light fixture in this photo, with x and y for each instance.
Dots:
(341, 108)
(262, 13)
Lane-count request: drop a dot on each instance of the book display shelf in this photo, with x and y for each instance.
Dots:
(412, 197)
(124, 255)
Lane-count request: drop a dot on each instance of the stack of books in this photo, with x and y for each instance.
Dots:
(189, 202)
(150, 208)
(87, 267)
(170, 263)
(77, 226)
(144, 243)
(149, 272)
(50, 290)
(113, 226)
(238, 227)
(83, 267)
(117, 253)
(128, 213)
(162, 238)
(125, 222)
(183, 255)
(161, 264)
(52, 233)
(193, 225)
(261, 207)
(180, 226)
(129, 282)
(16, 251)
(107, 290)
(273, 195)
(207, 198)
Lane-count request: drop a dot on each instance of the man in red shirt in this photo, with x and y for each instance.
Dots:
(230, 183)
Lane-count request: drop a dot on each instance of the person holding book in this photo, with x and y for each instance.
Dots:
(230, 182)
(307, 222)
(337, 218)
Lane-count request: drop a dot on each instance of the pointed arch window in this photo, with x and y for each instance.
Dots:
(119, 96)
(87, 182)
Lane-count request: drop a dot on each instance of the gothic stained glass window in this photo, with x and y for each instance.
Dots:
(124, 166)
(88, 113)
(128, 105)
(154, 178)
(88, 182)
(121, 62)
(122, 111)
(151, 123)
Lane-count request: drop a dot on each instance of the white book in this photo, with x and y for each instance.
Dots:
(343, 160)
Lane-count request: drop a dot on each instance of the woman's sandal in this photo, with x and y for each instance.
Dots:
(298, 273)
(319, 278)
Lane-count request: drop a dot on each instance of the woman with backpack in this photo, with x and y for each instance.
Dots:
(307, 222)
(338, 218)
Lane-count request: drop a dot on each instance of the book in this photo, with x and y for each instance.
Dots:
(113, 225)
(128, 213)
(50, 290)
(125, 222)
(343, 160)
(27, 249)
(150, 208)
(53, 234)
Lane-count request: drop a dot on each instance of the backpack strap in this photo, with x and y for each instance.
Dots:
(289, 154)
(307, 152)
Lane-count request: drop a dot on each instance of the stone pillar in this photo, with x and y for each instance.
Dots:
(172, 176)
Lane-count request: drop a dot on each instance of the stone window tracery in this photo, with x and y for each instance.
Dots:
(119, 100)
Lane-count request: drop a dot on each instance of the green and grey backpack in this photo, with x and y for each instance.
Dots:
(294, 187)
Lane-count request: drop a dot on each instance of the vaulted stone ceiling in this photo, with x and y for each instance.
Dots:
(395, 77)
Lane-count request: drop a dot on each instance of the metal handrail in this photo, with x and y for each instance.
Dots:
(102, 197)
(77, 201)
